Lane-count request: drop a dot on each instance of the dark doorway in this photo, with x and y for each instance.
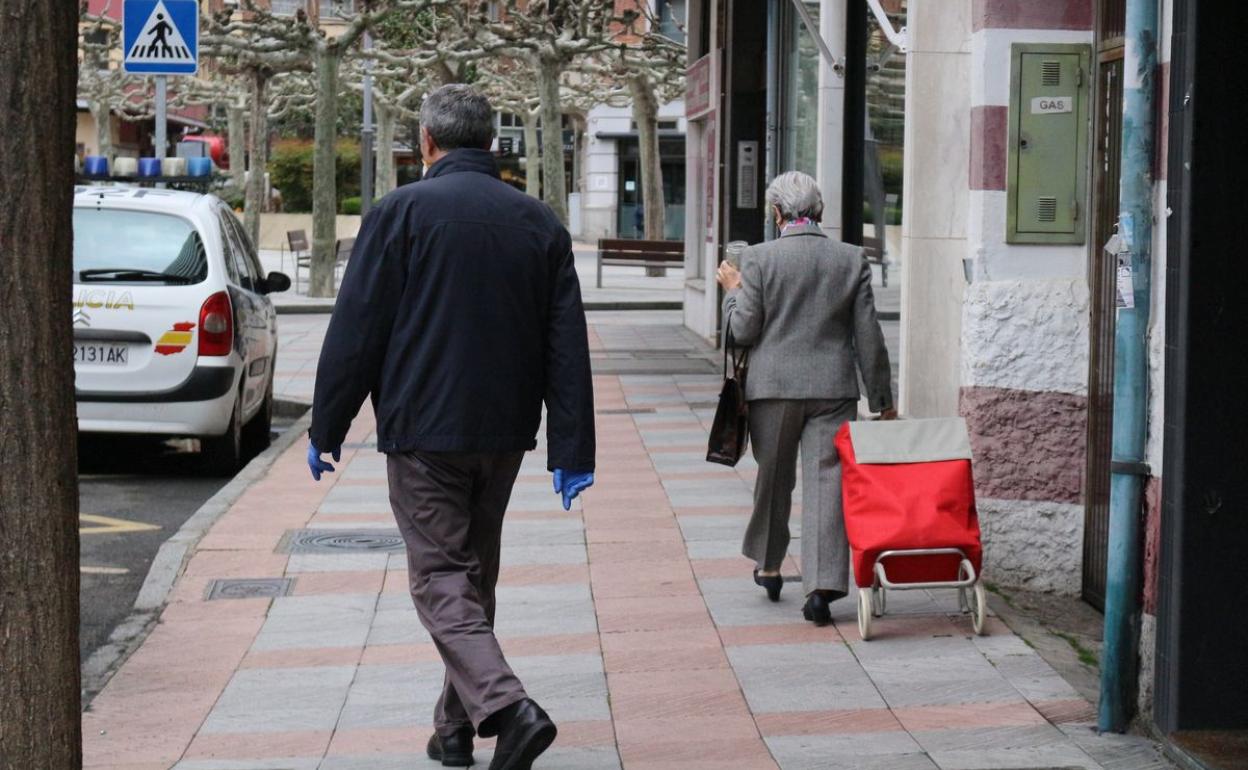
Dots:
(1202, 669)
(672, 160)
(1106, 161)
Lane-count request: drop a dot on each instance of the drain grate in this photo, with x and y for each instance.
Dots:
(360, 445)
(631, 410)
(249, 588)
(340, 540)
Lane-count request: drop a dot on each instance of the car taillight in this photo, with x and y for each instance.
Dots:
(216, 326)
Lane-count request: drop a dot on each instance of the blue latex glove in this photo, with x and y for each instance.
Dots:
(319, 466)
(571, 484)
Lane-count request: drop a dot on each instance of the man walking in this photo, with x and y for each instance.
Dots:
(460, 313)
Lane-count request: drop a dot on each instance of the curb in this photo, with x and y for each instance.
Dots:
(173, 555)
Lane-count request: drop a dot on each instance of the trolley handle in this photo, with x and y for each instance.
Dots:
(964, 568)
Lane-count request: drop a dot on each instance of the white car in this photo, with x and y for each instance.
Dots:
(174, 333)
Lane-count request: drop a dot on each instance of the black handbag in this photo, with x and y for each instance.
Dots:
(730, 431)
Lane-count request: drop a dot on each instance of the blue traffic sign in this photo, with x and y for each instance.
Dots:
(161, 37)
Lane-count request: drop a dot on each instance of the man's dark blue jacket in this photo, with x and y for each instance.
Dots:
(460, 312)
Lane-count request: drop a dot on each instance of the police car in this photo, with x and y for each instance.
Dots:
(174, 332)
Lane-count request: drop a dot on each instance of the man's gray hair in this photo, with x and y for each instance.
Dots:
(456, 115)
(797, 195)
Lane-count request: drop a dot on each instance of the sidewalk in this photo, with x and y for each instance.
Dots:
(622, 287)
(632, 619)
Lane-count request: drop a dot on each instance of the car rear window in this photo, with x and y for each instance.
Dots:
(147, 244)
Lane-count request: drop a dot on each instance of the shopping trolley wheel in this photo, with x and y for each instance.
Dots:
(980, 610)
(878, 600)
(864, 613)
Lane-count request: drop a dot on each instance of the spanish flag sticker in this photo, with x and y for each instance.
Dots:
(175, 340)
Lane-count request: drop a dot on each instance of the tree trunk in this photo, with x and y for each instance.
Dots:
(554, 187)
(235, 138)
(646, 114)
(384, 180)
(40, 711)
(324, 173)
(103, 117)
(532, 156)
(256, 199)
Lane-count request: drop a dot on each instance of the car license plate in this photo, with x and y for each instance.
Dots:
(103, 354)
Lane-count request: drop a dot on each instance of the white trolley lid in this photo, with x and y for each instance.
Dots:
(890, 442)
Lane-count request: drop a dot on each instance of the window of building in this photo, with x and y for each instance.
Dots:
(285, 7)
(672, 18)
(799, 111)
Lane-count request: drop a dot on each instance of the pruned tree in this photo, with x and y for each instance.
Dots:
(102, 83)
(40, 711)
(550, 36)
(256, 46)
(653, 66)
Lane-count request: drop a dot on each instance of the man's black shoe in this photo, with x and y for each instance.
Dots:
(454, 750)
(524, 732)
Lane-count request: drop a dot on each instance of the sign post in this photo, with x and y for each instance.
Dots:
(161, 38)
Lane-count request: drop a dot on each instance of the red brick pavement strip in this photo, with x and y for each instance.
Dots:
(675, 701)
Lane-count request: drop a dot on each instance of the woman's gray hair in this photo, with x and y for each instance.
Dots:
(796, 195)
(456, 115)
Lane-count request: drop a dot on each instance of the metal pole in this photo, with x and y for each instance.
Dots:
(773, 109)
(854, 117)
(160, 141)
(366, 134)
(1119, 670)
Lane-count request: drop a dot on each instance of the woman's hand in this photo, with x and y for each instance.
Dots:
(728, 276)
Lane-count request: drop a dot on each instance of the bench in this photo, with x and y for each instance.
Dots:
(874, 251)
(298, 242)
(342, 252)
(623, 252)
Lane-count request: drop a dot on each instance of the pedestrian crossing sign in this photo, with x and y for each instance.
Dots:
(161, 37)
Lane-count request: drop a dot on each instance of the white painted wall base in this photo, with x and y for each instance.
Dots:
(1037, 546)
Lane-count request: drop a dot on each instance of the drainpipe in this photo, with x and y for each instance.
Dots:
(1119, 664)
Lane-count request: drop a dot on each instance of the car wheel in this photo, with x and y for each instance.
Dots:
(258, 434)
(223, 455)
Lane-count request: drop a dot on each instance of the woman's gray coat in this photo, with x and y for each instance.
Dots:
(806, 309)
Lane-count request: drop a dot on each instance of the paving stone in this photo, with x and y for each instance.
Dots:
(851, 751)
(744, 609)
(713, 549)
(542, 532)
(1117, 752)
(569, 687)
(1029, 737)
(1034, 678)
(347, 561)
(515, 555)
(1048, 758)
(705, 492)
(392, 696)
(322, 620)
(802, 677)
(280, 699)
(285, 763)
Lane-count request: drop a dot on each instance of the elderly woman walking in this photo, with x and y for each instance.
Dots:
(803, 303)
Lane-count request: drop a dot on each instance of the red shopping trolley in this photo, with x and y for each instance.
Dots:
(910, 512)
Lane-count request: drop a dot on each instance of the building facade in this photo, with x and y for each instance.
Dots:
(1039, 266)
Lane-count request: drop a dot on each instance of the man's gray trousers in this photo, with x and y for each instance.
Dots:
(449, 507)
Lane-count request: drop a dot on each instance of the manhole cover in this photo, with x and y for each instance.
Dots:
(249, 588)
(339, 540)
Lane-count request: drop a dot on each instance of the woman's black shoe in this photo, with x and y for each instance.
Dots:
(773, 584)
(453, 750)
(816, 610)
